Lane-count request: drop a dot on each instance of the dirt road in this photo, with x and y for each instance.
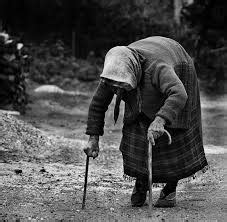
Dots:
(47, 185)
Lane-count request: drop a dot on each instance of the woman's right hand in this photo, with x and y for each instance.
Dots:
(92, 147)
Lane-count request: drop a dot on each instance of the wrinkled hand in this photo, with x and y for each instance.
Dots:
(92, 147)
(156, 129)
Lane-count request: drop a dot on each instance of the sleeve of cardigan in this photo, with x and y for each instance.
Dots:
(167, 81)
(98, 106)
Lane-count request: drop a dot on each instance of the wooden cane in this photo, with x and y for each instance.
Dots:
(150, 178)
(150, 171)
(85, 183)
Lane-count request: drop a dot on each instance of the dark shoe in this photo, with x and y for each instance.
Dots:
(166, 200)
(139, 193)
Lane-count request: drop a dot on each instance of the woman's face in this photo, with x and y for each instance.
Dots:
(118, 91)
(125, 95)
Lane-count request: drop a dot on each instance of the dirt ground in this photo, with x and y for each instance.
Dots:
(47, 185)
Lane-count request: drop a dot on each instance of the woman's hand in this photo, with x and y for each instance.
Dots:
(156, 129)
(92, 148)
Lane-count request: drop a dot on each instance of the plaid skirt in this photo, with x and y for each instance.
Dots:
(183, 158)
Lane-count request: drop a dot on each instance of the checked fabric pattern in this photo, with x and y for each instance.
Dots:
(183, 158)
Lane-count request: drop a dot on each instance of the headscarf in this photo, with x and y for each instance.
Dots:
(122, 68)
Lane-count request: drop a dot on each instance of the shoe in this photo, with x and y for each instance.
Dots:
(166, 200)
(139, 193)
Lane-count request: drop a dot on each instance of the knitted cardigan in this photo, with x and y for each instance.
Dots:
(169, 87)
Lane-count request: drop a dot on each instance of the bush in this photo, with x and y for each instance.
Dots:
(52, 64)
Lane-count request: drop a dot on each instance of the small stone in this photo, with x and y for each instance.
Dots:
(42, 170)
(18, 171)
(111, 209)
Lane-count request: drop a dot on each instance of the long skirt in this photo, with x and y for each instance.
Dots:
(183, 158)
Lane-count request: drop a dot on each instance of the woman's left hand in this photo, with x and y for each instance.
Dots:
(156, 129)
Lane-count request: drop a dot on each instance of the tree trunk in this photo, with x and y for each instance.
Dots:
(177, 10)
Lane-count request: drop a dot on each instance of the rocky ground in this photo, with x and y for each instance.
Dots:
(42, 168)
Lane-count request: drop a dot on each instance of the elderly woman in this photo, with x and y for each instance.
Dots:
(156, 79)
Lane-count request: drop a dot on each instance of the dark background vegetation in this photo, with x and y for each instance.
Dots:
(88, 28)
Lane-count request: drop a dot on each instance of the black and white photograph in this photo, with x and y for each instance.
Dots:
(113, 110)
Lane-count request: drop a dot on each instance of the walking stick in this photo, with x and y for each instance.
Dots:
(85, 182)
(150, 171)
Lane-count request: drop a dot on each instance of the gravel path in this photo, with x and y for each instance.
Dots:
(42, 171)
